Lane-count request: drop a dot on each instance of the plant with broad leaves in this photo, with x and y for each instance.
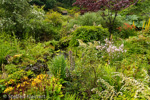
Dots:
(112, 6)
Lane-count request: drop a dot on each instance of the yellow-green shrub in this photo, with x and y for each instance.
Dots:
(54, 17)
(88, 34)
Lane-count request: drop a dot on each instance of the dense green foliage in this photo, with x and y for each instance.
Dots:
(140, 9)
(48, 3)
(58, 67)
(47, 55)
(89, 34)
(90, 19)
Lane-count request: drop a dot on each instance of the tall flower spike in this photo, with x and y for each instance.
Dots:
(143, 25)
(133, 24)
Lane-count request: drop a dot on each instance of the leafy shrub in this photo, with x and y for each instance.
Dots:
(58, 66)
(141, 10)
(7, 46)
(38, 26)
(49, 4)
(43, 85)
(88, 34)
(30, 23)
(14, 78)
(37, 50)
(94, 18)
(70, 97)
(134, 18)
(17, 75)
(15, 14)
(88, 19)
(11, 68)
(37, 2)
(83, 79)
(135, 67)
(137, 45)
(64, 41)
(111, 7)
(137, 89)
(2, 88)
(49, 87)
(54, 17)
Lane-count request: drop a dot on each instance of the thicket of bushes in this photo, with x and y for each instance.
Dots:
(73, 57)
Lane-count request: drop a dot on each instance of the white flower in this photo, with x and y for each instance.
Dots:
(122, 45)
(98, 47)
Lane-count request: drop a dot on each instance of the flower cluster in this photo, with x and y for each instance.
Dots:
(110, 48)
(22, 84)
(126, 27)
(44, 82)
(11, 81)
(39, 13)
(113, 52)
(39, 79)
(9, 89)
(25, 78)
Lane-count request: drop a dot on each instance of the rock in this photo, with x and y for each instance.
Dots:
(64, 12)
(38, 67)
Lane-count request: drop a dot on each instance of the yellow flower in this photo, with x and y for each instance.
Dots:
(8, 89)
(18, 85)
(54, 80)
(25, 78)
(133, 24)
(143, 25)
(22, 85)
(19, 55)
(33, 83)
(10, 82)
(6, 83)
(40, 76)
(25, 82)
(38, 81)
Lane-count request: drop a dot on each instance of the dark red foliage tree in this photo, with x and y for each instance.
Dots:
(112, 6)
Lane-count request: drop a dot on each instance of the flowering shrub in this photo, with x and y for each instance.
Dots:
(41, 84)
(126, 26)
(112, 51)
(9, 89)
(108, 51)
(126, 30)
